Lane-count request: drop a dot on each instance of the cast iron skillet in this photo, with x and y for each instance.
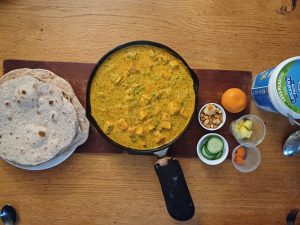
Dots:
(176, 193)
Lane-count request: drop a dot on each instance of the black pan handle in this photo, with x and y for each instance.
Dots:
(176, 193)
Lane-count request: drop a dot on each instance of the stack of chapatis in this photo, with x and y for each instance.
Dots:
(40, 117)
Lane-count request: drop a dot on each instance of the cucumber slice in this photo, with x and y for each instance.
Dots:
(204, 153)
(207, 152)
(219, 155)
(215, 145)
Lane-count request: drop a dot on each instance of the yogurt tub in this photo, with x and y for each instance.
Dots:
(278, 89)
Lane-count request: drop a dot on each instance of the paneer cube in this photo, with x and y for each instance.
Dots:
(132, 68)
(122, 124)
(183, 112)
(166, 124)
(131, 131)
(139, 131)
(151, 53)
(173, 108)
(131, 55)
(165, 116)
(150, 127)
(159, 138)
(142, 114)
(118, 80)
(174, 64)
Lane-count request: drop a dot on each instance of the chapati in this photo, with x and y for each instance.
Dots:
(40, 116)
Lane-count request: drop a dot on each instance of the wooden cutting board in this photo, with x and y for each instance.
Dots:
(212, 83)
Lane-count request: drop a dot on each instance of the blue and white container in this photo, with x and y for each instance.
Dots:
(278, 89)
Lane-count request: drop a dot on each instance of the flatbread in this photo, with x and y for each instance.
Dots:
(66, 99)
(51, 78)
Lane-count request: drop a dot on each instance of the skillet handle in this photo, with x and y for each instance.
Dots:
(175, 190)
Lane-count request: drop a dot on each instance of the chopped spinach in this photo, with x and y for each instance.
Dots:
(181, 103)
(137, 90)
(134, 138)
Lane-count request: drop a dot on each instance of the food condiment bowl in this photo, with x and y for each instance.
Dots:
(202, 141)
(258, 130)
(223, 113)
(251, 161)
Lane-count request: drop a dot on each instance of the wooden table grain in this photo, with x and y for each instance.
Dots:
(120, 189)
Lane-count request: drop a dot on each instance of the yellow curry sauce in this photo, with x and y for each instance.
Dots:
(142, 97)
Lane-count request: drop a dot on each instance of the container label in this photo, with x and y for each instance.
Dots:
(288, 85)
(260, 92)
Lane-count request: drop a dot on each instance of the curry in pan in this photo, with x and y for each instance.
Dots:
(142, 97)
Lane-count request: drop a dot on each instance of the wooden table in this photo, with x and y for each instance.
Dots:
(120, 189)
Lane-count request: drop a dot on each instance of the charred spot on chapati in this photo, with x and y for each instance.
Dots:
(42, 133)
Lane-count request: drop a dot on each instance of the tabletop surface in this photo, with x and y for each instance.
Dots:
(123, 189)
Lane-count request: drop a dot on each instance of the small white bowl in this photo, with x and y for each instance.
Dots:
(223, 115)
(213, 161)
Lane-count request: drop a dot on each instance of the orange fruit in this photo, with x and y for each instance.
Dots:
(234, 100)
